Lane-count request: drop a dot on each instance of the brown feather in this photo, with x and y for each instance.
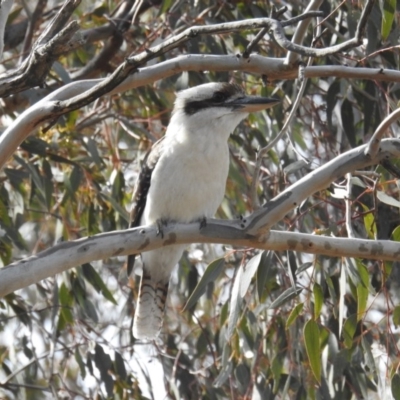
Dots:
(141, 190)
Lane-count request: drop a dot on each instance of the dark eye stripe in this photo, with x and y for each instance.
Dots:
(228, 90)
(219, 97)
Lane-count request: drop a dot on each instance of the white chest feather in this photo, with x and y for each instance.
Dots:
(189, 180)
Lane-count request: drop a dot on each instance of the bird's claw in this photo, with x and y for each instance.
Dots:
(203, 222)
(160, 230)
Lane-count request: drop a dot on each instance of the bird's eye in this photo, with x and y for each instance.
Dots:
(219, 97)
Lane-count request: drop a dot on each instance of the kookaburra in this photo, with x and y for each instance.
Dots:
(183, 179)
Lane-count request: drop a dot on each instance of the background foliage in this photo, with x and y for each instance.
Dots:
(269, 325)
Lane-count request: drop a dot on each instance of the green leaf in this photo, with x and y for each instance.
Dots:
(79, 360)
(61, 72)
(248, 272)
(363, 274)
(352, 271)
(311, 339)
(387, 267)
(6, 250)
(304, 267)
(19, 309)
(14, 14)
(118, 185)
(165, 6)
(332, 292)
(210, 275)
(91, 147)
(362, 290)
(4, 217)
(396, 316)
(396, 386)
(294, 314)
(331, 100)
(318, 300)
(36, 178)
(348, 122)
(16, 178)
(286, 296)
(242, 375)
(47, 183)
(74, 180)
(263, 271)
(277, 368)
(91, 216)
(227, 366)
(104, 364)
(342, 293)
(234, 305)
(384, 198)
(35, 145)
(349, 329)
(66, 301)
(89, 309)
(95, 280)
(116, 206)
(369, 222)
(388, 12)
(119, 365)
(396, 234)
(369, 358)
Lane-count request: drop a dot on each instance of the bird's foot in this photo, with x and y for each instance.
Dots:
(160, 227)
(203, 222)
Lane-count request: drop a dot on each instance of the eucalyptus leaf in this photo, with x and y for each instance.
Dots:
(311, 340)
(248, 272)
(286, 296)
(211, 273)
(395, 386)
(388, 13)
(234, 305)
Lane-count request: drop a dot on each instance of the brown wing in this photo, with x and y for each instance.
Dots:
(141, 190)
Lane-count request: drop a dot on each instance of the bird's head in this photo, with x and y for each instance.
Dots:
(219, 104)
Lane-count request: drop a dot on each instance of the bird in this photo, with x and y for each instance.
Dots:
(183, 179)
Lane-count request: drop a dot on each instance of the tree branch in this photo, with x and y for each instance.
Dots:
(132, 63)
(251, 232)
(71, 254)
(34, 22)
(301, 30)
(119, 24)
(5, 8)
(274, 210)
(53, 42)
(375, 141)
(274, 68)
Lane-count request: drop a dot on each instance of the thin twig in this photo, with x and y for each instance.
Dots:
(5, 8)
(375, 141)
(33, 24)
(301, 30)
(256, 175)
(275, 15)
(378, 52)
(132, 64)
(53, 42)
(347, 200)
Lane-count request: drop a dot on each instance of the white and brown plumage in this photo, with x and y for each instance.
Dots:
(183, 179)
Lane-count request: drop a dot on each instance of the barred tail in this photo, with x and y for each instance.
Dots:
(150, 307)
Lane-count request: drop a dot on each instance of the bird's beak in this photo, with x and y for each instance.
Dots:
(253, 103)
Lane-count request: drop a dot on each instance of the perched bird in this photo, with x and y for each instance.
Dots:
(183, 179)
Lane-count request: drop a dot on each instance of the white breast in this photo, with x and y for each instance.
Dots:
(189, 180)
